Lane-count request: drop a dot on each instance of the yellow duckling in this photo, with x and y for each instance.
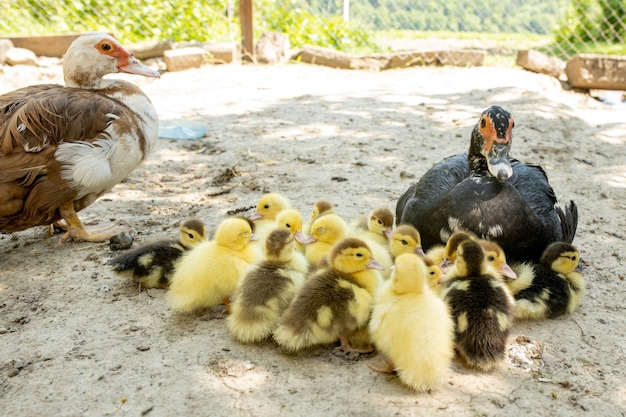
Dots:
(411, 326)
(208, 274)
(334, 302)
(152, 265)
(265, 292)
(482, 308)
(378, 228)
(325, 232)
(555, 285)
(291, 220)
(267, 209)
(405, 239)
(320, 208)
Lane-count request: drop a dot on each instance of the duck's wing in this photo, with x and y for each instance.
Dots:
(34, 118)
(424, 195)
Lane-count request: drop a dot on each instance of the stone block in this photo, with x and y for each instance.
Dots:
(5, 45)
(536, 61)
(221, 52)
(21, 56)
(184, 58)
(273, 48)
(602, 72)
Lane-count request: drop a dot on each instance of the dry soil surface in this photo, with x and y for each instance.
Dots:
(78, 340)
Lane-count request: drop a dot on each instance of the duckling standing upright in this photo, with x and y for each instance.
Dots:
(412, 327)
(334, 302)
(152, 265)
(481, 307)
(208, 274)
(555, 287)
(265, 292)
(62, 147)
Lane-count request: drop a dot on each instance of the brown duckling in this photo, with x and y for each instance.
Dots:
(334, 302)
(481, 306)
(266, 290)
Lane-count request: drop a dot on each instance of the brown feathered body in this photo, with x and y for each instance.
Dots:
(334, 302)
(70, 144)
(266, 290)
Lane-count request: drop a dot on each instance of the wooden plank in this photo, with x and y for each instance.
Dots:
(47, 45)
(247, 29)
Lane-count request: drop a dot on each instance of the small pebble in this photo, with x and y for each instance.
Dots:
(121, 241)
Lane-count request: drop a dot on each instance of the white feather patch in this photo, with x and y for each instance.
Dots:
(86, 165)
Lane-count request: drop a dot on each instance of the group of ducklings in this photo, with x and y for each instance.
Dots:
(361, 283)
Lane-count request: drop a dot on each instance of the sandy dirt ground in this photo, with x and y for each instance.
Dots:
(77, 340)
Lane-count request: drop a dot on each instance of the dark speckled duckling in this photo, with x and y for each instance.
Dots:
(152, 265)
(266, 290)
(551, 288)
(481, 306)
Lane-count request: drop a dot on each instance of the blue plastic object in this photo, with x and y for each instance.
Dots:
(181, 129)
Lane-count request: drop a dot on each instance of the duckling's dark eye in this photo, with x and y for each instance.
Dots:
(287, 225)
(190, 235)
(359, 255)
(106, 47)
(404, 242)
(380, 222)
(431, 273)
(266, 206)
(490, 258)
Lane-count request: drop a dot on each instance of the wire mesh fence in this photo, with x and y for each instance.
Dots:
(557, 27)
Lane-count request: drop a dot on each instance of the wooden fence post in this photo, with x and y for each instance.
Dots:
(247, 30)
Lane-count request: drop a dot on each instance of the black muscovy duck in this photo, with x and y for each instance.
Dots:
(486, 192)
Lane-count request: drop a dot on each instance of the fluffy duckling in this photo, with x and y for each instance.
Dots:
(411, 326)
(152, 265)
(325, 232)
(334, 302)
(378, 227)
(481, 306)
(266, 290)
(405, 239)
(291, 220)
(493, 254)
(207, 275)
(555, 286)
(320, 208)
(267, 209)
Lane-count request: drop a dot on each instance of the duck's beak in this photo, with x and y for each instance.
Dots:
(133, 66)
(388, 232)
(299, 237)
(255, 216)
(498, 161)
(374, 264)
(507, 272)
(305, 241)
(419, 251)
(445, 265)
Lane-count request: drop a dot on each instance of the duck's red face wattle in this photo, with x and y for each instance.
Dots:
(497, 129)
(126, 62)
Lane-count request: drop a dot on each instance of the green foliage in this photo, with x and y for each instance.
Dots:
(304, 27)
(592, 21)
(131, 20)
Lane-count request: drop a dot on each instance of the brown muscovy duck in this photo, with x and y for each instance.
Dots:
(62, 147)
(484, 191)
